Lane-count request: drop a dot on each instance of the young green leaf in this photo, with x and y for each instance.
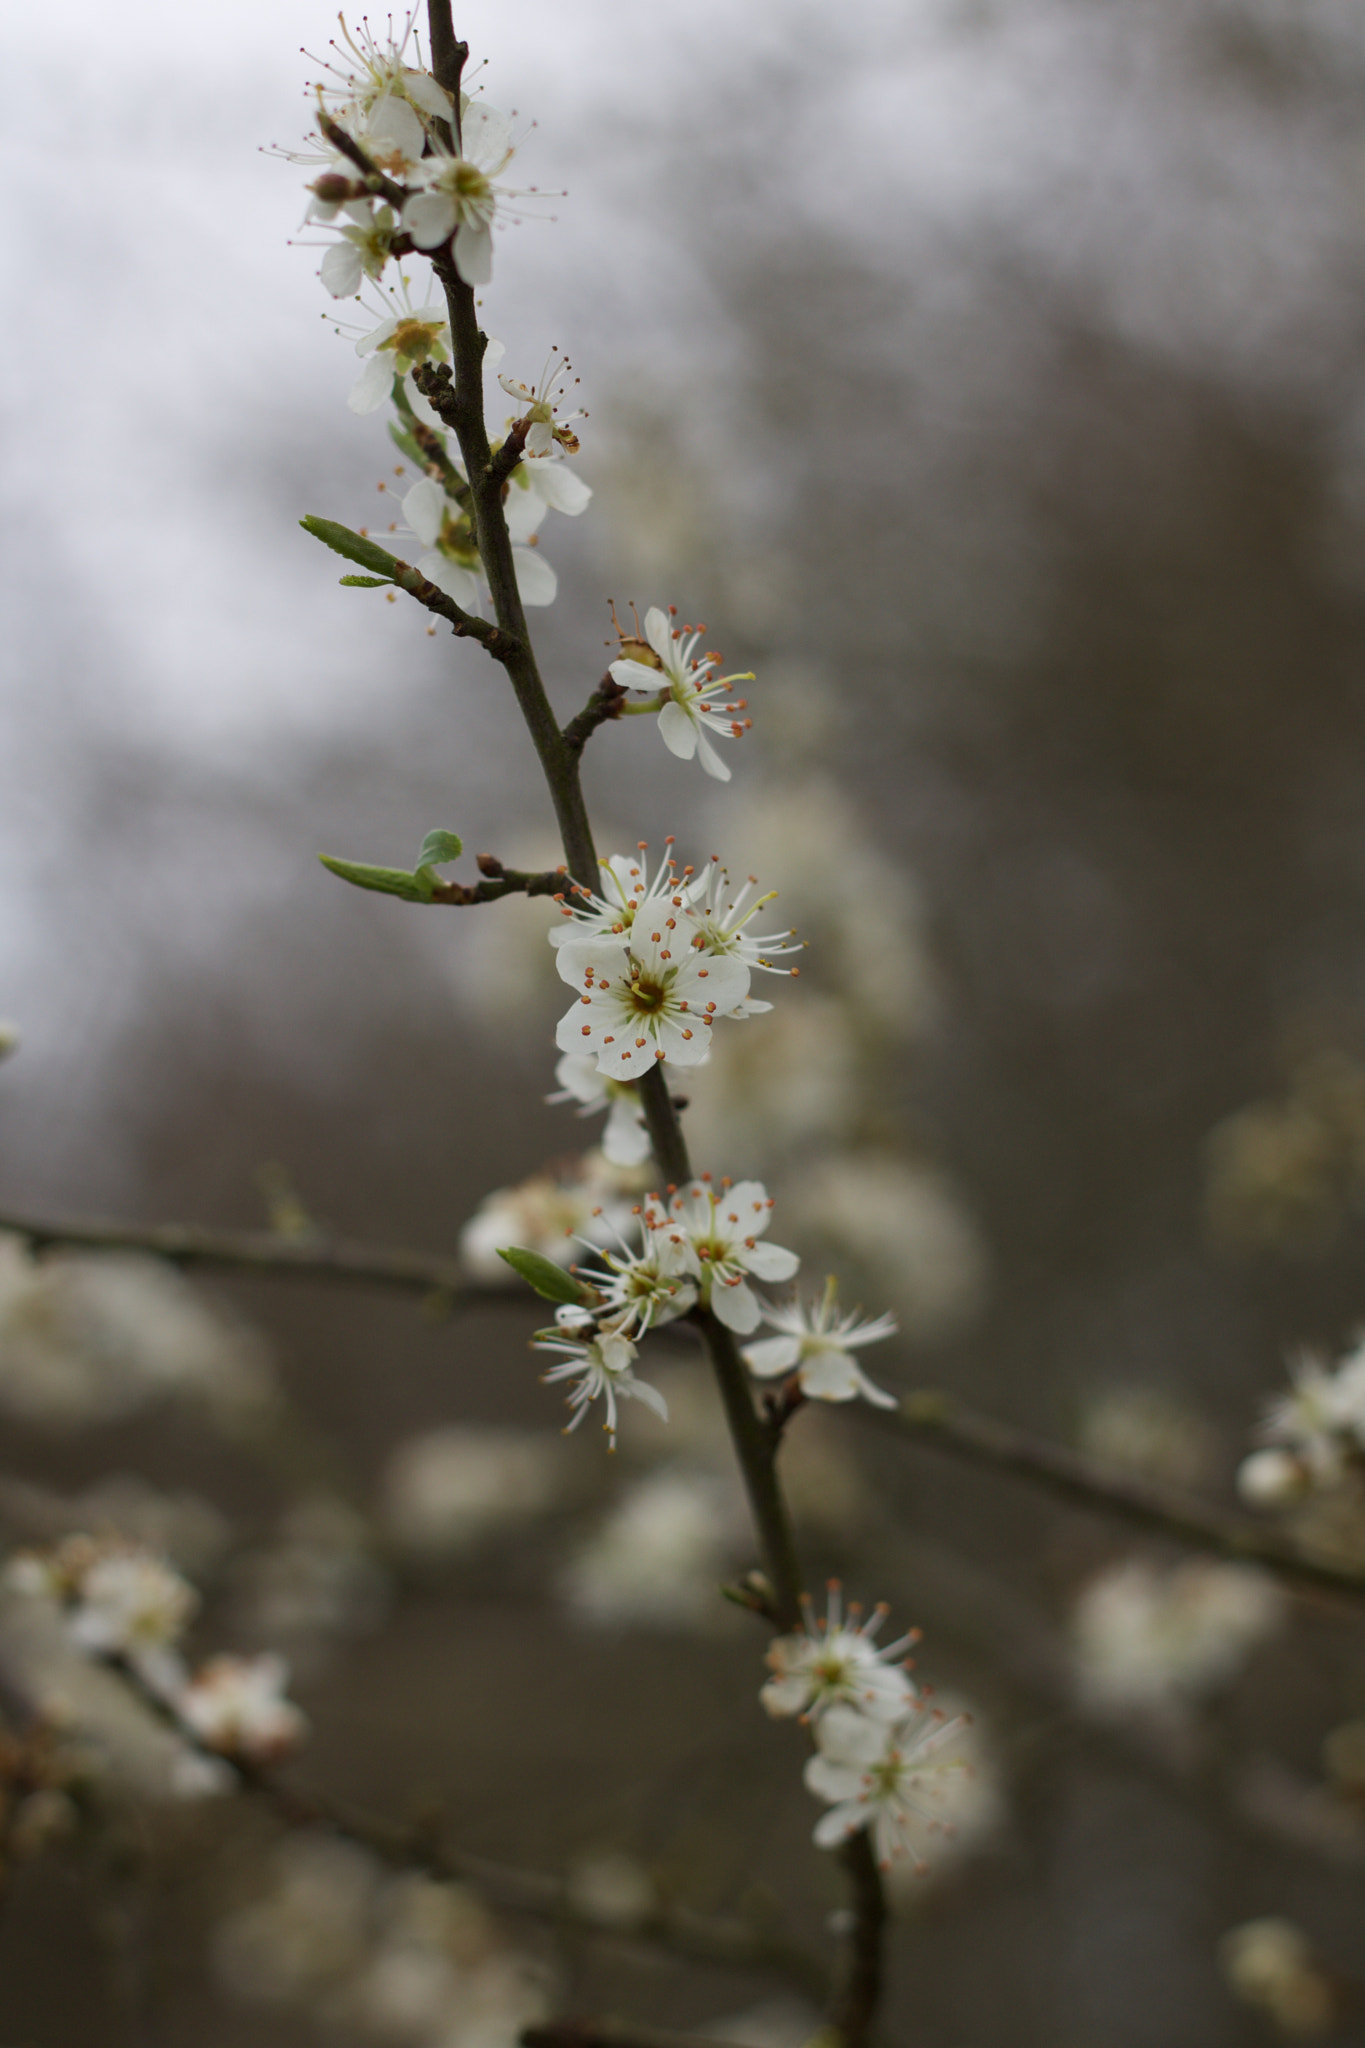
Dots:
(367, 582)
(438, 848)
(356, 547)
(413, 888)
(550, 1281)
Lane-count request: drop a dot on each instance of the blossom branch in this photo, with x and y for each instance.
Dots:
(500, 881)
(934, 1420)
(606, 702)
(346, 145)
(732, 1943)
(860, 1987)
(560, 761)
(259, 1252)
(611, 2034)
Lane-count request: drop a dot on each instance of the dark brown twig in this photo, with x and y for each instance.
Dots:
(606, 702)
(943, 1425)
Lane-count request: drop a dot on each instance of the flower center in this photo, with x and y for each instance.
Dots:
(414, 339)
(469, 188)
(646, 996)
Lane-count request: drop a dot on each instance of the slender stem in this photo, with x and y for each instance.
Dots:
(612, 2034)
(755, 1451)
(932, 1419)
(860, 1986)
(256, 1252)
(559, 754)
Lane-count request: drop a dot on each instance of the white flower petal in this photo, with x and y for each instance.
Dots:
(536, 580)
(342, 270)
(448, 576)
(772, 1355)
(736, 1306)
(710, 759)
(473, 252)
(422, 89)
(562, 490)
(429, 218)
(373, 385)
(771, 1262)
(424, 508)
(679, 733)
(636, 675)
(524, 512)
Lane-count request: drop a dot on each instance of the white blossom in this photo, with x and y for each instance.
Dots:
(367, 74)
(651, 999)
(625, 1140)
(362, 251)
(1150, 1640)
(546, 1212)
(817, 1344)
(406, 336)
(1322, 1419)
(452, 559)
(237, 1705)
(128, 1603)
(721, 1229)
(691, 698)
(895, 1779)
(602, 1368)
(627, 893)
(542, 485)
(457, 194)
(658, 1557)
(637, 1290)
(1273, 1478)
(836, 1662)
(722, 926)
(548, 427)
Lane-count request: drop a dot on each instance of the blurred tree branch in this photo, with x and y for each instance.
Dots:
(932, 1419)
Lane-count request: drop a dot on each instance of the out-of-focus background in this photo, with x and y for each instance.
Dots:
(991, 379)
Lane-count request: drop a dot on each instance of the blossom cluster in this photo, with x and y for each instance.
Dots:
(124, 1604)
(886, 1757)
(1314, 1436)
(657, 960)
(701, 1246)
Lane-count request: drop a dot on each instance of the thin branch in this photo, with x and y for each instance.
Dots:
(941, 1424)
(510, 453)
(612, 2034)
(732, 1943)
(860, 1986)
(500, 881)
(257, 1252)
(605, 703)
(347, 146)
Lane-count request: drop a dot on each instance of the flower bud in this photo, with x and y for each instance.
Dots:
(333, 190)
(1272, 1479)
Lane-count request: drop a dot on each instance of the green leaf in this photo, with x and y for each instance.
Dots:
(354, 546)
(438, 848)
(388, 881)
(406, 445)
(550, 1281)
(367, 582)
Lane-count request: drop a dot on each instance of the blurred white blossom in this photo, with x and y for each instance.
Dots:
(85, 1338)
(1153, 1640)
(449, 1489)
(658, 1558)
